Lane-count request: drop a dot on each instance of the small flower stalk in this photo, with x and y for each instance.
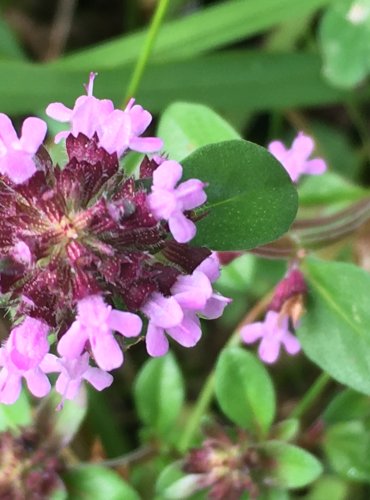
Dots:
(281, 319)
(76, 240)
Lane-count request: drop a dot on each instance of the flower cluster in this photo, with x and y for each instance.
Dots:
(89, 253)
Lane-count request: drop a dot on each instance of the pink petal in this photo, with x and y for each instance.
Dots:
(37, 382)
(73, 341)
(192, 291)
(33, 134)
(315, 167)
(156, 341)
(210, 267)
(278, 150)
(7, 132)
(127, 324)
(302, 146)
(215, 306)
(18, 166)
(10, 387)
(115, 132)
(60, 136)
(162, 203)
(167, 175)
(98, 378)
(146, 144)
(269, 349)
(191, 194)
(50, 364)
(252, 332)
(107, 352)
(188, 332)
(163, 311)
(182, 229)
(291, 343)
(59, 112)
(67, 387)
(140, 119)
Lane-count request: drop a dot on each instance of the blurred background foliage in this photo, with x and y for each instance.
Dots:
(270, 68)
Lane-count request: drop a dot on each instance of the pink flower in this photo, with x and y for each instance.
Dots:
(273, 332)
(177, 316)
(121, 130)
(16, 155)
(95, 324)
(169, 202)
(117, 130)
(86, 116)
(296, 159)
(73, 372)
(20, 357)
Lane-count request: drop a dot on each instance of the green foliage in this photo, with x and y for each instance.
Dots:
(347, 405)
(16, 415)
(186, 127)
(159, 393)
(244, 390)
(250, 197)
(293, 467)
(93, 481)
(345, 42)
(336, 322)
(286, 430)
(347, 446)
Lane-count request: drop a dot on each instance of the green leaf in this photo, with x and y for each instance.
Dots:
(345, 41)
(250, 197)
(174, 484)
(9, 48)
(185, 127)
(244, 390)
(292, 467)
(347, 446)
(93, 481)
(255, 81)
(329, 487)
(347, 405)
(329, 188)
(194, 34)
(334, 332)
(286, 430)
(159, 393)
(16, 415)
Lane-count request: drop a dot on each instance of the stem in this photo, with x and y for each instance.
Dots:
(155, 24)
(134, 457)
(311, 396)
(206, 393)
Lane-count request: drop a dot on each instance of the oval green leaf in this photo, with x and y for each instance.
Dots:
(250, 197)
(244, 390)
(159, 393)
(185, 127)
(292, 467)
(93, 481)
(335, 332)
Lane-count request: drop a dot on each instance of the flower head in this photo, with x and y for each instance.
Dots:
(296, 159)
(78, 239)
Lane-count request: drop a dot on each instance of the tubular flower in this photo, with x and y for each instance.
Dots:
(282, 317)
(296, 159)
(78, 240)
